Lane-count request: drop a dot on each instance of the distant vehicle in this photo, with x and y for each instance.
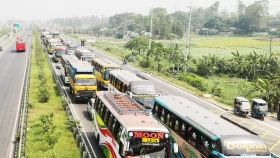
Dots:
(20, 45)
(102, 68)
(241, 106)
(64, 73)
(143, 91)
(51, 43)
(203, 134)
(123, 129)
(259, 108)
(71, 48)
(81, 79)
(29, 34)
(59, 51)
(84, 54)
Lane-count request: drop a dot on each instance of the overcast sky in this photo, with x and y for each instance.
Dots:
(39, 9)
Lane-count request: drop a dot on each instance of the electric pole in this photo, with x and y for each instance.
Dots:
(189, 32)
(150, 39)
(270, 49)
(92, 25)
(72, 25)
(102, 29)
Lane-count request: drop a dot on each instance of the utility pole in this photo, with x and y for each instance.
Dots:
(124, 27)
(189, 32)
(92, 25)
(72, 25)
(270, 49)
(102, 29)
(150, 39)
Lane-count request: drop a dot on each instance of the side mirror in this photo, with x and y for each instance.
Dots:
(175, 148)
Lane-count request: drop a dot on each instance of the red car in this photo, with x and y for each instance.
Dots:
(20, 45)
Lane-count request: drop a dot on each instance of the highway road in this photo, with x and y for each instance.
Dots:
(12, 72)
(269, 129)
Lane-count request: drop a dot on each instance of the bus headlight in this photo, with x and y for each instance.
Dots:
(130, 134)
(166, 135)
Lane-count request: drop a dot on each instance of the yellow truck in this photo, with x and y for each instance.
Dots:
(51, 45)
(82, 82)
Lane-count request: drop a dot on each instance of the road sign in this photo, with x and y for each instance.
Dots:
(16, 25)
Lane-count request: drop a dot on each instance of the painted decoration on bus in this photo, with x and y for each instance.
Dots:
(247, 145)
(149, 138)
(143, 87)
(186, 149)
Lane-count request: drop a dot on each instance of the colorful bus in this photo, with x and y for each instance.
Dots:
(20, 45)
(123, 128)
(202, 134)
(143, 91)
(102, 67)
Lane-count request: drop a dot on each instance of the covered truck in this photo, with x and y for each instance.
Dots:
(84, 54)
(81, 80)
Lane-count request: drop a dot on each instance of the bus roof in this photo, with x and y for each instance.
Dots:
(105, 62)
(128, 112)
(203, 120)
(65, 58)
(126, 76)
(59, 47)
(81, 66)
(83, 50)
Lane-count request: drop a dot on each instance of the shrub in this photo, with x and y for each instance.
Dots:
(43, 94)
(145, 63)
(198, 82)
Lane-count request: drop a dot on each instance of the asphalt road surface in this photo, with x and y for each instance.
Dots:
(12, 72)
(269, 129)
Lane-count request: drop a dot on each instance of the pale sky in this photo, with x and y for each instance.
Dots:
(39, 9)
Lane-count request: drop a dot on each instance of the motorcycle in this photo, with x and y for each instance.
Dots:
(278, 113)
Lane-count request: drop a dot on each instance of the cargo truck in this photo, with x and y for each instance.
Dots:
(59, 51)
(64, 73)
(81, 80)
(84, 55)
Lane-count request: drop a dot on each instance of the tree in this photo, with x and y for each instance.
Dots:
(139, 44)
(158, 52)
(162, 23)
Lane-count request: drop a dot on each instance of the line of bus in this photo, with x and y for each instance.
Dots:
(64, 72)
(102, 67)
(200, 133)
(124, 129)
(143, 91)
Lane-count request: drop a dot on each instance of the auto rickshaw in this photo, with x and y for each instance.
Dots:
(241, 106)
(259, 109)
(278, 112)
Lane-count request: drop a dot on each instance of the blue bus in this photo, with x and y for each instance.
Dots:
(200, 133)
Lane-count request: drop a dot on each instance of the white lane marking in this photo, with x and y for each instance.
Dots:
(72, 106)
(268, 125)
(14, 131)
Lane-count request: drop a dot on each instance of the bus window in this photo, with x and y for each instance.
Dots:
(117, 125)
(106, 116)
(175, 124)
(121, 86)
(169, 119)
(125, 88)
(96, 104)
(183, 130)
(119, 134)
(193, 137)
(103, 112)
(163, 115)
(110, 122)
(156, 110)
(113, 127)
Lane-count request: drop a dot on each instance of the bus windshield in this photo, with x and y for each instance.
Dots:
(247, 145)
(143, 88)
(147, 103)
(148, 147)
(86, 82)
(60, 52)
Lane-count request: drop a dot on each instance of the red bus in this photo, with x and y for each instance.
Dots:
(20, 45)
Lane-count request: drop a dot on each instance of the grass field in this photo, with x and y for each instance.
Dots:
(35, 142)
(221, 46)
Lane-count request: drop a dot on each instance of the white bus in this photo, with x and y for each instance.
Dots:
(203, 134)
(123, 128)
(143, 91)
